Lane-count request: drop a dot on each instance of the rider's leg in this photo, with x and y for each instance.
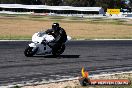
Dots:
(56, 47)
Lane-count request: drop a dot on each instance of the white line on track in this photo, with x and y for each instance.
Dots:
(75, 40)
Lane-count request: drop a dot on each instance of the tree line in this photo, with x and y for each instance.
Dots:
(79, 3)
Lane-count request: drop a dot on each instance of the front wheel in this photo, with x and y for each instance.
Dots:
(28, 52)
(59, 51)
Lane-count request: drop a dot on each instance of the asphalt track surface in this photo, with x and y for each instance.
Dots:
(96, 56)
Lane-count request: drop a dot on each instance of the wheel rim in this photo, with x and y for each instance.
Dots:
(28, 51)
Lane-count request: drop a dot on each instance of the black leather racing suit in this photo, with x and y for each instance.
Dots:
(59, 35)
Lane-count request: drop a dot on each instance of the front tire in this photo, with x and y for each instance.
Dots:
(59, 51)
(28, 52)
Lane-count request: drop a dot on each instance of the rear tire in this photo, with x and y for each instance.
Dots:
(59, 51)
(28, 52)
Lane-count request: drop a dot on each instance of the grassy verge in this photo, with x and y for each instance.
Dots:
(15, 37)
(24, 26)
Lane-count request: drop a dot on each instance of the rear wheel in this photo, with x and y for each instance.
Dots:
(28, 52)
(59, 51)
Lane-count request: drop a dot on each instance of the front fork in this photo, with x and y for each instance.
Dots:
(35, 48)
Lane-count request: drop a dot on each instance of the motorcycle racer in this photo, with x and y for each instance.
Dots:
(59, 34)
(52, 41)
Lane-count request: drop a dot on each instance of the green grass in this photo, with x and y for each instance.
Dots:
(15, 37)
(70, 19)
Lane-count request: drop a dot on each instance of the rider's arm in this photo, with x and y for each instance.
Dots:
(57, 39)
(49, 31)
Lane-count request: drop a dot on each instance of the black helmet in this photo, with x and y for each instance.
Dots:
(55, 25)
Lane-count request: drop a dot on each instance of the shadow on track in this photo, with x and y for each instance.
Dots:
(61, 56)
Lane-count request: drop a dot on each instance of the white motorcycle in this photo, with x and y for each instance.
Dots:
(40, 45)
